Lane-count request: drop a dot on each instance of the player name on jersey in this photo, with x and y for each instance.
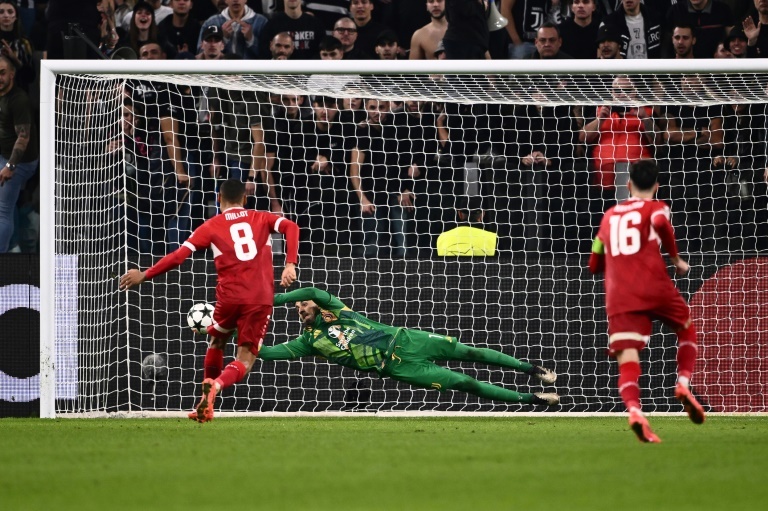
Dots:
(235, 216)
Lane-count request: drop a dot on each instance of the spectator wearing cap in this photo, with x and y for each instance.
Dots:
(426, 39)
(180, 30)
(367, 30)
(608, 43)
(387, 47)
(281, 46)
(345, 31)
(640, 30)
(683, 41)
(580, 29)
(213, 44)
(305, 30)
(241, 27)
(736, 42)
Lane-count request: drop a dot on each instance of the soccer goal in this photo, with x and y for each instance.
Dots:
(532, 152)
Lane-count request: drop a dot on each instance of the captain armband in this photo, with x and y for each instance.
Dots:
(598, 247)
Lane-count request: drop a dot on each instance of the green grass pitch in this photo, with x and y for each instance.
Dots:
(371, 463)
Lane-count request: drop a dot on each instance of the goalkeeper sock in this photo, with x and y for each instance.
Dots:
(214, 363)
(490, 357)
(629, 389)
(233, 373)
(686, 352)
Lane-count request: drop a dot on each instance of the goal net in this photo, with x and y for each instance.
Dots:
(375, 167)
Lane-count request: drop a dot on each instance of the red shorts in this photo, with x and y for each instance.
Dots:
(633, 329)
(251, 322)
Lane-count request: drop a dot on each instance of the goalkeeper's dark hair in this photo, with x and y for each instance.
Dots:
(644, 174)
(232, 191)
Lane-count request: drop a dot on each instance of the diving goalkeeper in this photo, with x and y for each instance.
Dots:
(335, 332)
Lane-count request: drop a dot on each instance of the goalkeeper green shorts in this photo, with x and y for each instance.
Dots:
(413, 356)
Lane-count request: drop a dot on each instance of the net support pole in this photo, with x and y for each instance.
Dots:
(47, 243)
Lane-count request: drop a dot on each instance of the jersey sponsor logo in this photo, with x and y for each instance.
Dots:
(342, 337)
(328, 316)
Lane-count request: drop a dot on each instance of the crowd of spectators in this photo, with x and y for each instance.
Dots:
(384, 178)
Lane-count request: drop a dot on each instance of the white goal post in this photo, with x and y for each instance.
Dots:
(505, 152)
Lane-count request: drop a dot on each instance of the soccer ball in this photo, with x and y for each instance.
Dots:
(200, 317)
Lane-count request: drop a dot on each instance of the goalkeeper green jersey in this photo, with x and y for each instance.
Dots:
(338, 334)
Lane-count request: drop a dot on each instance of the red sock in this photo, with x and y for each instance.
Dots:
(233, 373)
(686, 351)
(629, 389)
(214, 363)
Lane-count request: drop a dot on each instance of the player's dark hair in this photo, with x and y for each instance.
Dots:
(644, 174)
(232, 191)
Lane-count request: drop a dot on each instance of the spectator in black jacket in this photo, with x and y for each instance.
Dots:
(757, 39)
(579, 30)
(711, 18)
(305, 30)
(367, 29)
(634, 45)
(548, 43)
(60, 14)
(179, 30)
(736, 42)
(608, 43)
(345, 31)
(467, 36)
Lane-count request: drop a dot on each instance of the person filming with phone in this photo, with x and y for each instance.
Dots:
(618, 136)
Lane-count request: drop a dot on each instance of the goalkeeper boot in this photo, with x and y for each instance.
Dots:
(204, 410)
(639, 424)
(692, 407)
(547, 376)
(544, 398)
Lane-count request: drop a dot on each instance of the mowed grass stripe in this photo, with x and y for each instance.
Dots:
(382, 463)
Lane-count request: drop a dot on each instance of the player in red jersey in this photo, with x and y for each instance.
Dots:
(639, 290)
(241, 244)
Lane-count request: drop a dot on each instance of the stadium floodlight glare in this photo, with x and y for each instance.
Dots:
(534, 299)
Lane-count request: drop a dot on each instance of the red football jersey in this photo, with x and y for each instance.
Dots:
(636, 277)
(242, 251)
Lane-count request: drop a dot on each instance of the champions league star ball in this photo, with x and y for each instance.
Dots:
(200, 317)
